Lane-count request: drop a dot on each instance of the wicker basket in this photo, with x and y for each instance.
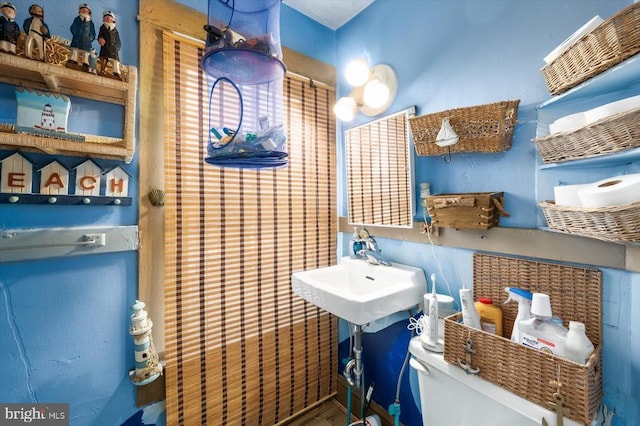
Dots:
(476, 210)
(575, 295)
(616, 223)
(613, 41)
(606, 136)
(482, 128)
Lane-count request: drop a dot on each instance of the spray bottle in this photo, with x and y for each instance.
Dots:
(523, 297)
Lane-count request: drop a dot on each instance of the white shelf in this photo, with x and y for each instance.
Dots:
(618, 82)
(616, 78)
(618, 158)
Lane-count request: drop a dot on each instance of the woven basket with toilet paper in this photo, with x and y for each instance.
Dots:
(608, 209)
(538, 376)
(610, 43)
(600, 133)
(615, 224)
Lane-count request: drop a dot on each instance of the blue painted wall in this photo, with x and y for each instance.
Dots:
(64, 322)
(450, 54)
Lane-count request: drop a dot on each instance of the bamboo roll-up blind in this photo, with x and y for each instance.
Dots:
(379, 172)
(241, 348)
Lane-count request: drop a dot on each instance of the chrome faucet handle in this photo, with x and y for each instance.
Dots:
(375, 258)
(372, 244)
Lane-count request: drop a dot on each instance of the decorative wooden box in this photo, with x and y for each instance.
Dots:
(480, 210)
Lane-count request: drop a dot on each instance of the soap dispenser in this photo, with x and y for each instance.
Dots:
(356, 245)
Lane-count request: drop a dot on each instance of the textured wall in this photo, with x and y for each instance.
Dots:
(450, 54)
(64, 321)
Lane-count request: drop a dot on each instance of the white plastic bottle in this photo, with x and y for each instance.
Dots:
(470, 316)
(540, 331)
(578, 347)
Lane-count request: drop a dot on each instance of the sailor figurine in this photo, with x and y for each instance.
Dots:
(109, 40)
(84, 32)
(93, 61)
(9, 29)
(37, 31)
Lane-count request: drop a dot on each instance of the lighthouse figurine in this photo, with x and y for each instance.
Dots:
(148, 367)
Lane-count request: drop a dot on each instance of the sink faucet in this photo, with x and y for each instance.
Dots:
(371, 253)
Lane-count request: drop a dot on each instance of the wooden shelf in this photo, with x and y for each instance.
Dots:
(117, 151)
(19, 71)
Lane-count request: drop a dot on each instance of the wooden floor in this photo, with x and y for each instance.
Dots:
(330, 413)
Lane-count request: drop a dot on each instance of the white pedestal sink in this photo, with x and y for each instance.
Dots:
(359, 292)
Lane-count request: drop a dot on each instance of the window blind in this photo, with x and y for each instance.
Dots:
(241, 348)
(379, 172)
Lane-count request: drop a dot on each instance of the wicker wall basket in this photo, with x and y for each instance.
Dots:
(606, 136)
(619, 224)
(613, 41)
(482, 128)
(575, 295)
(476, 210)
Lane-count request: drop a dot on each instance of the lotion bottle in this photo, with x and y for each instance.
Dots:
(490, 316)
(470, 316)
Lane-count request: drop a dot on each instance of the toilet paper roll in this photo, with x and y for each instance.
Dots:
(568, 122)
(567, 195)
(612, 108)
(614, 191)
(588, 27)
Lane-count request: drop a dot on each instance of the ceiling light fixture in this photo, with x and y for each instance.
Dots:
(374, 90)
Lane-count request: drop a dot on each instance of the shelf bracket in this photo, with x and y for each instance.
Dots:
(52, 82)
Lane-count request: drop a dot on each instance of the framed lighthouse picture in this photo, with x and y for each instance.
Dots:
(43, 113)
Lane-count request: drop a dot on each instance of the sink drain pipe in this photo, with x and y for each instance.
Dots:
(354, 371)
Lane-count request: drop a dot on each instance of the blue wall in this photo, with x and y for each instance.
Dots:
(64, 322)
(450, 54)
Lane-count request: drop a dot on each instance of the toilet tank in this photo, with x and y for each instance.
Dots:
(449, 396)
